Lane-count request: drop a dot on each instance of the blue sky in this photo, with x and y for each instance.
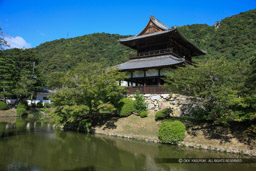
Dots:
(28, 23)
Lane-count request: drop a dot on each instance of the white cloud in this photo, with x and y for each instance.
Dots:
(16, 42)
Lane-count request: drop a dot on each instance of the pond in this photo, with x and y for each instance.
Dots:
(27, 144)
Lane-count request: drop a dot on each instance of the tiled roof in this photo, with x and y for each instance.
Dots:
(158, 23)
(143, 36)
(150, 62)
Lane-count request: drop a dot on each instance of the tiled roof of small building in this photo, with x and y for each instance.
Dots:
(151, 62)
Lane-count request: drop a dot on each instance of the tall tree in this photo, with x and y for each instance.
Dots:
(2, 41)
(7, 72)
(84, 94)
(7, 68)
(18, 73)
(220, 85)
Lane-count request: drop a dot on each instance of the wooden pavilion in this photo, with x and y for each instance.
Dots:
(160, 49)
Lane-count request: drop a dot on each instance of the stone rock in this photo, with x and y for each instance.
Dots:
(177, 112)
(30, 115)
(174, 95)
(157, 97)
(165, 96)
(204, 147)
(155, 103)
(163, 105)
(147, 95)
(246, 152)
(151, 106)
(236, 151)
(253, 153)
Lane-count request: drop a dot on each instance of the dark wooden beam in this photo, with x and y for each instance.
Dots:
(145, 84)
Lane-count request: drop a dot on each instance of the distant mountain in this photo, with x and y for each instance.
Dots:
(64, 54)
(234, 39)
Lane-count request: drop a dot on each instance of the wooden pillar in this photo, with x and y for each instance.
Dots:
(119, 83)
(145, 85)
(131, 79)
(158, 78)
(128, 83)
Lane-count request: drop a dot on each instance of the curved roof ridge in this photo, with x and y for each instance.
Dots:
(158, 23)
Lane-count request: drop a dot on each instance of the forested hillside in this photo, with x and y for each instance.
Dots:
(234, 39)
(64, 54)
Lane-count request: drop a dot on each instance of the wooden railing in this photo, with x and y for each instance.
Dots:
(152, 53)
(149, 89)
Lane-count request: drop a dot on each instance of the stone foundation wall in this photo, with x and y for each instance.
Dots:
(181, 105)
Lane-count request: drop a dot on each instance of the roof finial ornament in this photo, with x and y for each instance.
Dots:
(151, 16)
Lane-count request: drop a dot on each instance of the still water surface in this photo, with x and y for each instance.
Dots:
(34, 145)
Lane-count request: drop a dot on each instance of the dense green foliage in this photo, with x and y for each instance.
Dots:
(126, 107)
(139, 104)
(163, 114)
(3, 106)
(18, 77)
(62, 55)
(87, 90)
(2, 41)
(22, 104)
(220, 85)
(143, 114)
(172, 132)
(21, 111)
(39, 105)
(84, 125)
(234, 39)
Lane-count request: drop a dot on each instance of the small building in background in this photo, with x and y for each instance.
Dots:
(160, 50)
(42, 96)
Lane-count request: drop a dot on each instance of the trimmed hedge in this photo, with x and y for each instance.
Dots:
(163, 114)
(125, 107)
(143, 114)
(3, 106)
(21, 111)
(171, 132)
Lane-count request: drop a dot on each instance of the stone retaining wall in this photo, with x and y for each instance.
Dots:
(245, 152)
(181, 105)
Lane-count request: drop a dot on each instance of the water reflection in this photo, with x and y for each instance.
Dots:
(46, 149)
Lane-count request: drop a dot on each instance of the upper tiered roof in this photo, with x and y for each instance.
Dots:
(156, 31)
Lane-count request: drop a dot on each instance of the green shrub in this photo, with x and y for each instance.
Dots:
(201, 115)
(143, 114)
(21, 111)
(84, 125)
(171, 132)
(47, 105)
(125, 107)
(163, 114)
(39, 105)
(140, 104)
(3, 106)
(45, 110)
(22, 105)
